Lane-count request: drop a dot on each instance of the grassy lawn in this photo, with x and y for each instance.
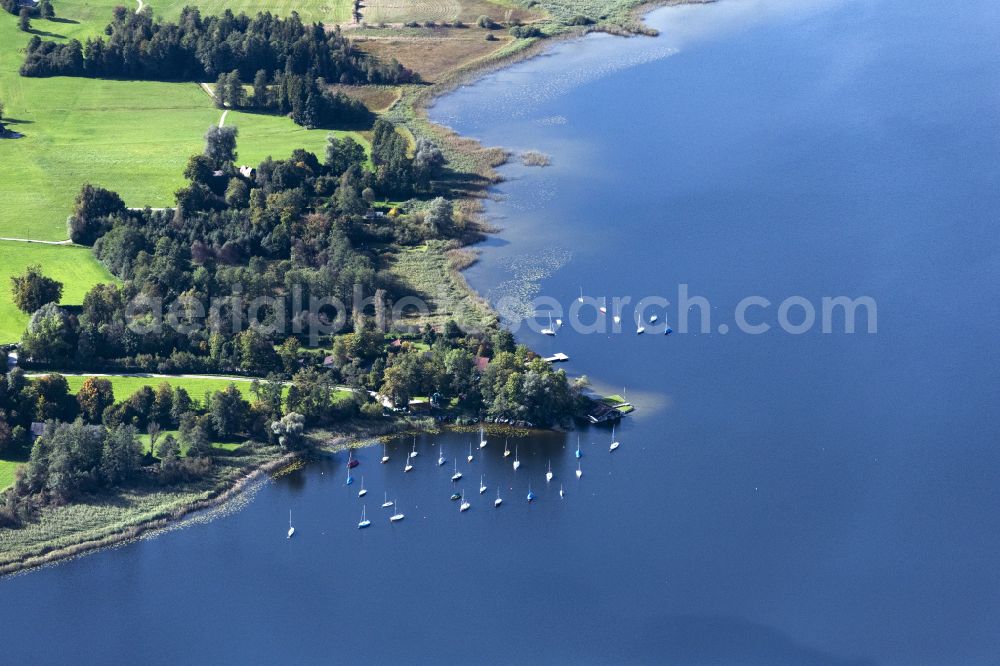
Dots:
(7, 469)
(615, 401)
(126, 386)
(130, 136)
(74, 266)
(276, 136)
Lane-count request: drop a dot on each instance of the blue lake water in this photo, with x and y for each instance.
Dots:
(778, 498)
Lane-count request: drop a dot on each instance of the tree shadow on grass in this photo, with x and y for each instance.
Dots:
(59, 19)
(45, 33)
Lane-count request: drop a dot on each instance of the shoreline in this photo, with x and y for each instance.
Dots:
(414, 107)
(224, 494)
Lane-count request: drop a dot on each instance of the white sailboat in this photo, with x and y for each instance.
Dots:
(482, 438)
(550, 329)
(580, 299)
(470, 452)
(482, 484)
(562, 493)
(614, 443)
(617, 319)
(364, 520)
(464, 506)
(409, 464)
(517, 463)
(399, 515)
(385, 453)
(413, 453)
(548, 474)
(291, 530)
(652, 319)
(579, 472)
(498, 501)
(386, 503)
(441, 459)
(457, 475)
(558, 323)
(362, 491)
(506, 449)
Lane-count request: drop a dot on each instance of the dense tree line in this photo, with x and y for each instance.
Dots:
(300, 96)
(200, 48)
(43, 9)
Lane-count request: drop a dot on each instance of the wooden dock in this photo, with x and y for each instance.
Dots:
(558, 357)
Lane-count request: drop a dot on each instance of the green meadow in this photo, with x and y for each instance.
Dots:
(130, 136)
(197, 387)
(124, 386)
(7, 470)
(72, 265)
(323, 11)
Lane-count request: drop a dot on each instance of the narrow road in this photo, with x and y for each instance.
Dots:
(141, 4)
(32, 240)
(222, 120)
(225, 378)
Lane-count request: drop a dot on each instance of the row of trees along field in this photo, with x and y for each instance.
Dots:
(288, 61)
(301, 97)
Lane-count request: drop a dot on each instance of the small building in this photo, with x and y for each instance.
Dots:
(248, 172)
(37, 429)
(482, 363)
(600, 412)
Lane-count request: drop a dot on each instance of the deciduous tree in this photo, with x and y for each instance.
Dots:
(32, 289)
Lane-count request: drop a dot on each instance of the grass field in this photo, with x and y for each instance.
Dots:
(130, 136)
(7, 469)
(311, 11)
(398, 11)
(74, 266)
(124, 386)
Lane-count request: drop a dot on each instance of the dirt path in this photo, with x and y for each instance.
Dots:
(141, 5)
(32, 240)
(222, 120)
